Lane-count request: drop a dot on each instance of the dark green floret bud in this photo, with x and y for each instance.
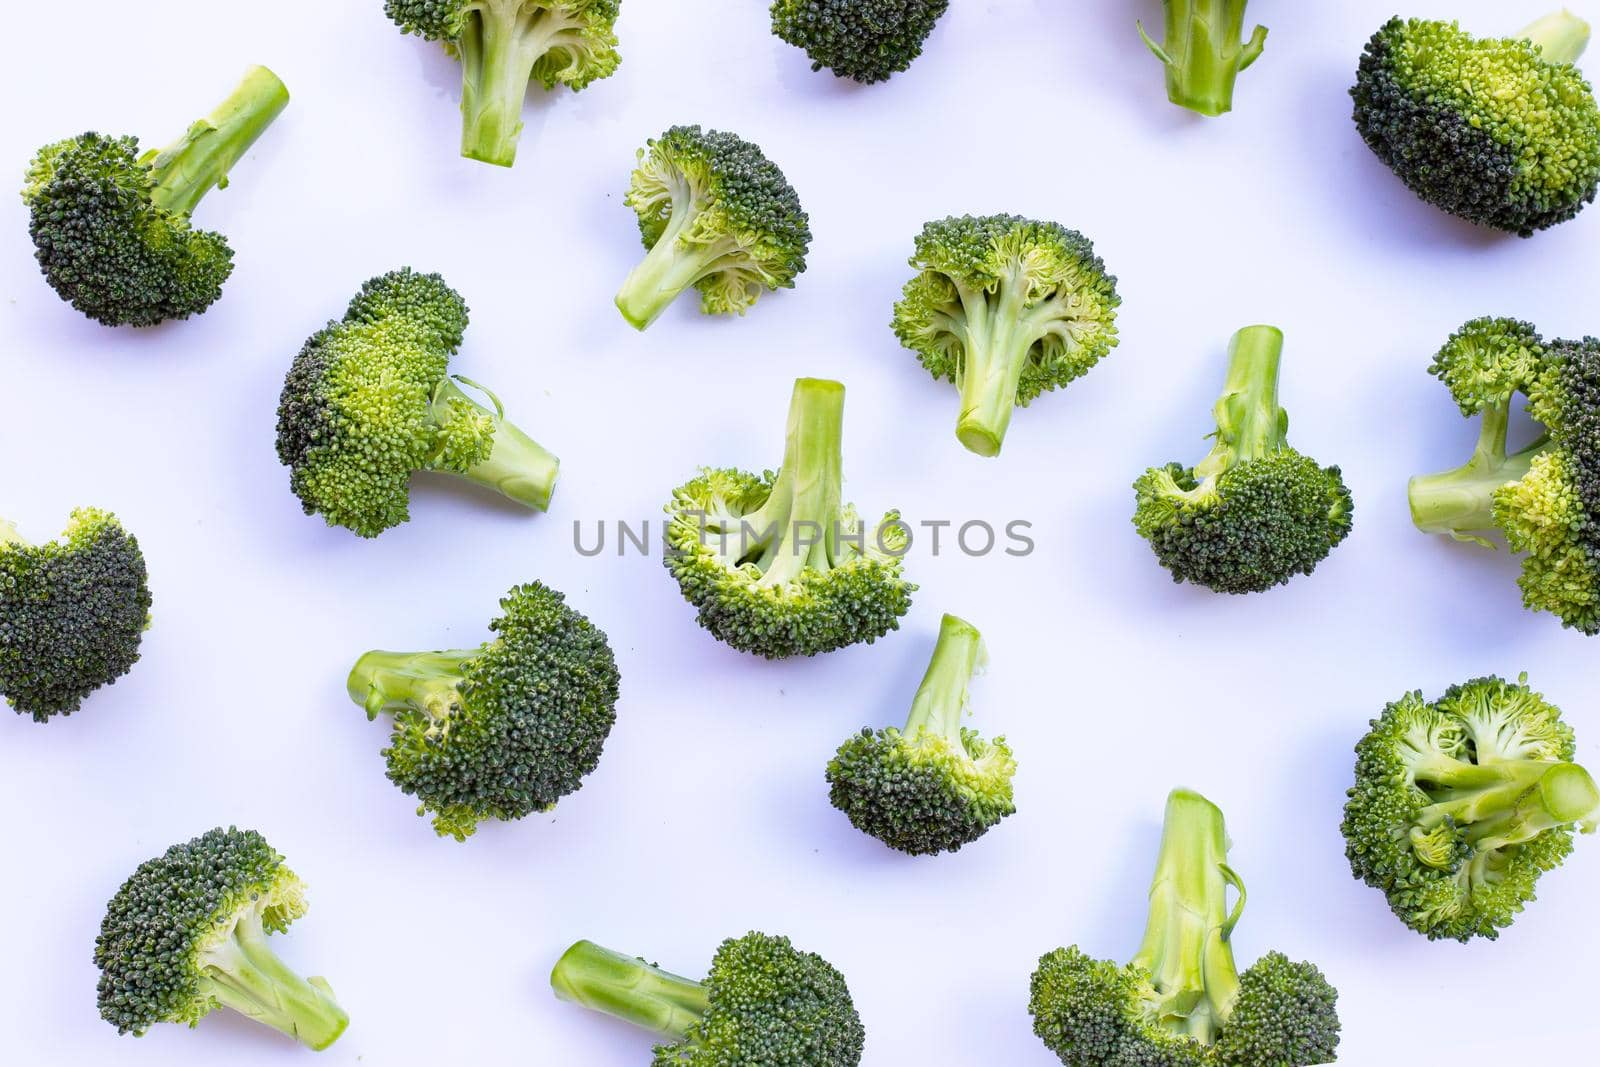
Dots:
(1204, 52)
(864, 40)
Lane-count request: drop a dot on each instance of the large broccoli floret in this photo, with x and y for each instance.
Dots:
(370, 400)
(935, 785)
(1502, 132)
(777, 564)
(1006, 308)
(764, 1002)
(72, 613)
(1544, 497)
(504, 45)
(866, 40)
(1254, 513)
(503, 730)
(110, 225)
(716, 214)
(1203, 52)
(187, 934)
(1181, 1002)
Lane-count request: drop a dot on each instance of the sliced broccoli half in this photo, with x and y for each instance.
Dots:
(111, 227)
(935, 785)
(778, 564)
(1255, 512)
(187, 934)
(1204, 52)
(716, 214)
(72, 613)
(865, 40)
(764, 1002)
(1181, 1001)
(1460, 805)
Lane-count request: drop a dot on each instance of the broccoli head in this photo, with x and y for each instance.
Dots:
(764, 1002)
(187, 934)
(1203, 53)
(1461, 804)
(777, 564)
(865, 40)
(110, 225)
(1501, 132)
(504, 45)
(1182, 1002)
(717, 214)
(1254, 513)
(72, 613)
(935, 785)
(1006, 308)
(370, 400)
(503, 730)
(1545, 496)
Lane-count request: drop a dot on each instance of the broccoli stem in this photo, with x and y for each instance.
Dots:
(941, 700)
(1186, 947)
(499, 45)
(246, 975)
(199, 161)
(1203, 53)
(389, 681)
(1505, 802)
(629, 989)
(999, 338)
(798, 526)
(1460, 502)
(1250, 424)
(9, 534)
(518, 467)
(1562, 36)
(672, 265)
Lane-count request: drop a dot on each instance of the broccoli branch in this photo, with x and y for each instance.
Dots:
(517, 466)
(1203, 53)
(199, 161)
(798, 526)
(1460, 502)
(428, 681)
(1506, 802)
(243, 973)
(500, 45)
(941, 700)
(1561, 36)
(999, 335)
(629, 989)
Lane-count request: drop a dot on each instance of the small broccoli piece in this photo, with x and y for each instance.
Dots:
(1544, 497)
(187, 934)
(764, 1002)
(370, 400)
(1006, 308)
(717, 214)
(777, 564)
(1203, 52)
(110, 226)
(935, 785)
(504, 45)
(502, 730)
(1254, 513)
(866, 40)
(1500, 132)
(1460, 805)
(72, 613)
(1182, 1002)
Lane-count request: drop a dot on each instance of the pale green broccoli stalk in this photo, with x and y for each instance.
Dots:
(1203, 52)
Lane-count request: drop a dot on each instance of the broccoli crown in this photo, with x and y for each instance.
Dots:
(72, 613)
(1255, 512)
(1007, 308)
(501, 731)
(185, 936)
(935, 785)
(776, 564)
(1287, 1012)
(1095, 1013)
(1461, 804)
(866, 40)
(717, 214)
(1501, 132)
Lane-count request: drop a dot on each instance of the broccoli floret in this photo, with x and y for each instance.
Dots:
(1181, 1002)
(1460, 805)
(1006, 308)
(1501, 132)
(72, 613)
(110, 225)
(764, 1002)
(504, 45)
(503, 730)
(1203, 52)
(777, 564)
(1544, 497)
(935, 785)
(1254, 513)
(370, 400)
(187, 934)
(866, 40)
(717, 214)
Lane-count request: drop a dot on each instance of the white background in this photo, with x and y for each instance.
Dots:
(709, 814)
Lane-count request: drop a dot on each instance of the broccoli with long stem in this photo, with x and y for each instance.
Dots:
(1203, 52)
